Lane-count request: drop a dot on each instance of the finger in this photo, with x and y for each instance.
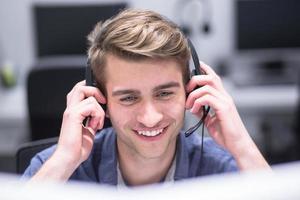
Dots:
(90, 108)
(202, 80)
(70, 94)
(80, 92)
(199, 114)
(88, 132)
(87, 143)
(87, 108)
(210, 122)
(80, 83)
(201, 92)
(207, 69)
(96, 122)
(206, 99)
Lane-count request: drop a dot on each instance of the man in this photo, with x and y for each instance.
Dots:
(140, 63)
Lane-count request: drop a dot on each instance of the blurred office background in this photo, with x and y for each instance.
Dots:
(253, 44)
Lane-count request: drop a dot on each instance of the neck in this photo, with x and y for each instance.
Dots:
(139, 170)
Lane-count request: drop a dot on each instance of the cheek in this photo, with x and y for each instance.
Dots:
(116, 113)
(175, 109)
(121, 117)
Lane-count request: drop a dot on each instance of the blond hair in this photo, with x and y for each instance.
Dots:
(135, 35)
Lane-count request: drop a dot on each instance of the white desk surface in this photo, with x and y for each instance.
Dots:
(13, 103)
(281, 98)
(13, 119)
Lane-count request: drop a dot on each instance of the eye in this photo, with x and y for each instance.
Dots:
(129, 99)
(164, 94)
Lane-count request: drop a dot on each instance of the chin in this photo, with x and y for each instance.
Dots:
(152, 155)
(157, 150)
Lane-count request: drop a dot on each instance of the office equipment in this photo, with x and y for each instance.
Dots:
(283, 183)
(267, 24)
(266, 42)
(47, 88)
(48, 84)
(62, 29)
(28, 151)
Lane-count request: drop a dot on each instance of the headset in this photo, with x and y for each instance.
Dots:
(90, 81)
(196, 70)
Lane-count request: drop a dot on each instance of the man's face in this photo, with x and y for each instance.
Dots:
(146, 104)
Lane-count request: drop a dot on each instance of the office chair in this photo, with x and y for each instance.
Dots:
(297, 121)
(47, 88)
(28, 150)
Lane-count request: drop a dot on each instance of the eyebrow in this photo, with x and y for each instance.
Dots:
(126, 91)
(166, 86)
(157, 88)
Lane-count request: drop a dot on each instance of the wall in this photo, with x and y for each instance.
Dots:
(17, 42)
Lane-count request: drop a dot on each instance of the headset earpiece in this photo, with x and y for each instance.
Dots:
(89, 78)
(196, 70)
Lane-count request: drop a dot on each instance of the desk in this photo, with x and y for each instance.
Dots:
(13, 119)
(260, 99)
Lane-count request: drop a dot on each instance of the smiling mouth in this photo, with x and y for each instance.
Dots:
(152, 133)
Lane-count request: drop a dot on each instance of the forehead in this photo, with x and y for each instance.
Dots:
(141, 74)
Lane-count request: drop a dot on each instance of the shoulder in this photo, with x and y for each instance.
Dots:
(213, 159)
(38, 160)
(103, 139)
(194, 143)
(102, 156)
(103, 143)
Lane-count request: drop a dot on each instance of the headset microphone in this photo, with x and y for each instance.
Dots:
(196, 71)
(205, 109)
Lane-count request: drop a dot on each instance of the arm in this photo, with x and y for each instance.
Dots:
(75, 141)
(225, 126)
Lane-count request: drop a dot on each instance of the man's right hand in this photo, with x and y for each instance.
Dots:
(76, 140)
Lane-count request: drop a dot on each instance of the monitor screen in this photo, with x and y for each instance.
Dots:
(62, 29)
(280, 183)
(267, 24)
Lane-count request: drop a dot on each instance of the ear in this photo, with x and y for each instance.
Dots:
(106, 113)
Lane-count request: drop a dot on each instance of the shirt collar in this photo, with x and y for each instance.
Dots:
(108, 169)
(182, 158)
(108, 165)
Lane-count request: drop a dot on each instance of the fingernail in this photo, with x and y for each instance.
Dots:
(187, 106)
(192, 110)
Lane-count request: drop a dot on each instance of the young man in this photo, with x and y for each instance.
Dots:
(140, 63)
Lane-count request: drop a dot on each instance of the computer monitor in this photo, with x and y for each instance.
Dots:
(62, 29)
(282, 183)
(267, 24)
(266, 41)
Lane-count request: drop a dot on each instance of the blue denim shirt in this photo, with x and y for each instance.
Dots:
(101, 166)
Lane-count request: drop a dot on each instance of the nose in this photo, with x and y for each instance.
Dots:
(149, 115)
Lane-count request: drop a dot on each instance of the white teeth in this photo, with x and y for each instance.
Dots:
(150, 133)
